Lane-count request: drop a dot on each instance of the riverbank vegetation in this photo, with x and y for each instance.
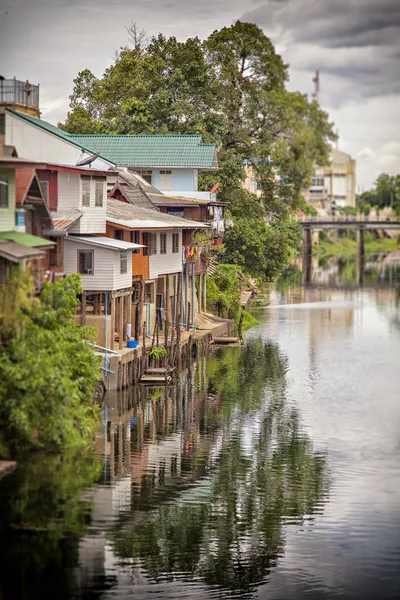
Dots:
(48, 372)
(346, 246)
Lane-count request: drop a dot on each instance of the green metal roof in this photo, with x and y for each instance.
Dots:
(151, 150)
(25, 239)
(139, 150)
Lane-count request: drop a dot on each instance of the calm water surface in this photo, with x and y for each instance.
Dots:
(269, 471)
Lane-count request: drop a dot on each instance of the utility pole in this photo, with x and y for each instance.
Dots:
(315, 94)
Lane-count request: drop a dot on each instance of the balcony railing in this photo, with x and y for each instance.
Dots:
(23, 93)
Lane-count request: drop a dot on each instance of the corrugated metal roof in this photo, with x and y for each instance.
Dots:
(151, 150)
(160, 199)
(139, 150)
(63, 222)
(104, 242)
(136, 217)
(16, 252)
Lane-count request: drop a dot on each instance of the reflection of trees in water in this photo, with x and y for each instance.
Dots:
(42, 516)
(230, 533)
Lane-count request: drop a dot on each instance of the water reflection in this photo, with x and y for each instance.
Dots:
(43, 513)
(205, 476)
(378, 269)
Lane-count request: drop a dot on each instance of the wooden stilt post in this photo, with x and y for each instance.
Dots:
(121, 320)
(166, 328)
(205, 292)
(200, 298)
(83, 309)
(112, 322)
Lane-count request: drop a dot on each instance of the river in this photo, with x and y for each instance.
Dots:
(267, 471)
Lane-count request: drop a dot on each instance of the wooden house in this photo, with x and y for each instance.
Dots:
(24, 216)
(159, 263)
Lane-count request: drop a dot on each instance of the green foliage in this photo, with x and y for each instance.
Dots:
(48, 373)
(230, 87)
(385, 192)
(249, 320)
(262, 249)
(349, 210)
(158, 352)
(223, 292)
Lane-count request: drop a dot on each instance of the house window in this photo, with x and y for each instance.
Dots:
(3, 193)
(123, 262)
(99, 192)
(135, 239)
(147, 175)
(175, 243)
(165, 183)
(146, 241)
(45, 190)
(85, 190)
(85, 262)
(119, 234)
(163, 243)
(153, 244)
(20, 218)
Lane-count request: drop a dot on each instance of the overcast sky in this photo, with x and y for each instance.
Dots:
(354, 43)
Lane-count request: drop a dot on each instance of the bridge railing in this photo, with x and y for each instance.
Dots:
(348, 219)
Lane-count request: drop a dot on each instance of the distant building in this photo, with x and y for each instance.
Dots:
(334, 184)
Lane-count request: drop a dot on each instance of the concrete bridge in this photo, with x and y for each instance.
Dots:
(360, 224)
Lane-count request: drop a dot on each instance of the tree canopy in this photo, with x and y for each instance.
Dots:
(385, 192)
(231, 88)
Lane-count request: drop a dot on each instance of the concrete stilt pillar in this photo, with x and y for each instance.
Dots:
(360, 255)
(307, 255)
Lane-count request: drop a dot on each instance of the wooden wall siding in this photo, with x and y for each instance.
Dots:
(106, 267)
(93, 219)
(30, 141)
(161, 264)
(7, 215)
(52, 180)
(140, 262)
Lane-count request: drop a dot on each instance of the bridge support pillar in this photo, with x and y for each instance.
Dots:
(307, 255)
(360, 255)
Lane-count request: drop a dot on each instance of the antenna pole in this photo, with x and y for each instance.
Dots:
(315, 94)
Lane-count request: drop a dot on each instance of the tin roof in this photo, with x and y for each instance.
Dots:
(137, 217)
(105, 242)
(63, 221)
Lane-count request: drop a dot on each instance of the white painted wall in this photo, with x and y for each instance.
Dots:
(93, 219)
(161, 264)
(106, 263)
(339, 185)
(36, 144)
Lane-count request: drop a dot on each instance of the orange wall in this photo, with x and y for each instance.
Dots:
(140, 263)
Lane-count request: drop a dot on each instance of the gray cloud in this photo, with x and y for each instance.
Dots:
(354, 43)
(355, 40)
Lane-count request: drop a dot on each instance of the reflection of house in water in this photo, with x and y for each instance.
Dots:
(149, 441)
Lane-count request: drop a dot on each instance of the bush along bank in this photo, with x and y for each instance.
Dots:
(223, 295)
(48, 372)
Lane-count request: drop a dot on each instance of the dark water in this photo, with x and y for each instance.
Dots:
(269, 471)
